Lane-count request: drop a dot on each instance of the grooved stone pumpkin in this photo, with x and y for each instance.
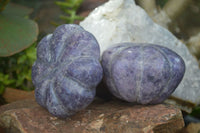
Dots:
(145, 74)
(67, 70)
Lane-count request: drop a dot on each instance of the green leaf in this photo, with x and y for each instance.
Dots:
(2, 88)
(31, 53)
(17, 10)
(64, 4)
(4, 79)
(16, 32)
(70, 8)
(22, 59)
(15, 71)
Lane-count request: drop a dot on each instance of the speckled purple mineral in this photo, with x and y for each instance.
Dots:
(145, 74)
(67, 70)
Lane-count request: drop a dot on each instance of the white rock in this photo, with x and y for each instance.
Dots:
(123, 21)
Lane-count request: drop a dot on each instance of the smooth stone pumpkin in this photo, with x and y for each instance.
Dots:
(67, 70)
(141, 73)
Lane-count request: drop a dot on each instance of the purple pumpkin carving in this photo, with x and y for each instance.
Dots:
(142, 73)
(67, 70)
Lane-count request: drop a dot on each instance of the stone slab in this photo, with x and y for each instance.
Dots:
(193, 128)
(100, 117)
(13, 95)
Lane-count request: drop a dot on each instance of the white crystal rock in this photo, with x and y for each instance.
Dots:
(123, 21)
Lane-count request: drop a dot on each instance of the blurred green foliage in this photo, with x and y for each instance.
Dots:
(196, 112)
(70, 7)
(161, 3)
(17, 54)
(15, 70)
(3, 3)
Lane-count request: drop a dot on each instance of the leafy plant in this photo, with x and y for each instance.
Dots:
(15, 70)
(17, 32)
(70, 8)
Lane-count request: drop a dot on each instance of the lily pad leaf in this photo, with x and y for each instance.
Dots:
(17, 10)
(16, 32)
